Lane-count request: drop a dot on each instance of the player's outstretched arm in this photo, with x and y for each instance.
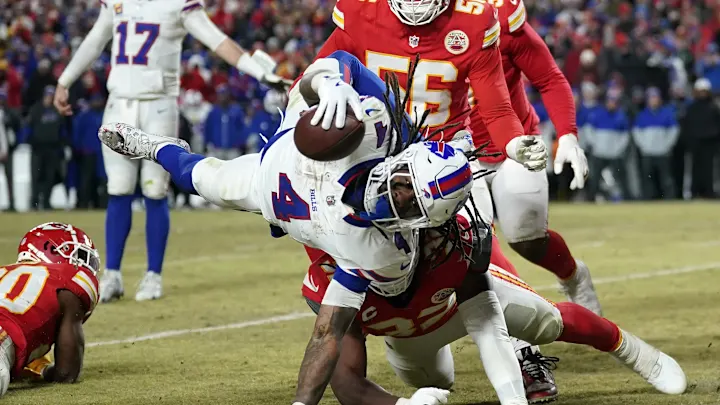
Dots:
(322, 352)
(260, 66)
(343, 298)
(533, 57)
(482, 315)
(70, 341)
(88, 51)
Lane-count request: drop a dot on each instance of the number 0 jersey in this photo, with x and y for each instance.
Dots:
(457, 50)
(29, 308)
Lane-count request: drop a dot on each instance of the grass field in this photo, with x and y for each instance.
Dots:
(232, 327)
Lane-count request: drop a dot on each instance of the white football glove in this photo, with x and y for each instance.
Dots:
(426, 396)
(335, 95)
(462, 140)
(529, 150)
(569, 151)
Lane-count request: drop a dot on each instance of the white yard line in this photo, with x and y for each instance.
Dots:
(298, 315)
(180, 332)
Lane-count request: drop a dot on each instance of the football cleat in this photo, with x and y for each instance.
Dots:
(150, 287)
(111, 286)
(579, 289)
(537, 375)
(135, 143)
(656, 367)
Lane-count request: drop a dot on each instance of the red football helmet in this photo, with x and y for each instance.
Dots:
(55, 242)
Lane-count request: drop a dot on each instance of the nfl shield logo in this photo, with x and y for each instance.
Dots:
(414, 41)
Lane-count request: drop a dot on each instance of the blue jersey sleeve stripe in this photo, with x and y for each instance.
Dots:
(350, 281)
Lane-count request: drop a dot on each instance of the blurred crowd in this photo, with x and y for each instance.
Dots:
(646, 74)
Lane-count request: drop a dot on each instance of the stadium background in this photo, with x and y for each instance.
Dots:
(607, 49)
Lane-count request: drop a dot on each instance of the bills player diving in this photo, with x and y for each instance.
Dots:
(365, 210)
(418, 334)
(45, 297)
(144, 85)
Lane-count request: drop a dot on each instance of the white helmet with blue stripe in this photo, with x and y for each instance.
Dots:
(437, 174)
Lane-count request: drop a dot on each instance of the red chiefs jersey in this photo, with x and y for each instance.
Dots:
(457, 50)
(29, 308)
(524, 52)
(432, 305)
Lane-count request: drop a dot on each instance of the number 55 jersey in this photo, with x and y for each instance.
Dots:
(457, 50)
(29, 308)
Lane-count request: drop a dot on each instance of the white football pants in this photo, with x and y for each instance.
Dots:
(520, 196)
(158, 116)
(229, 183)
(7, 361)
(426, 361)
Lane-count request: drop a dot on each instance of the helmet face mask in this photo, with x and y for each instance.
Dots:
(417, 12)
(422, 187)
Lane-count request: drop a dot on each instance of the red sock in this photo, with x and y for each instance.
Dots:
(313, 253)
(583, 327)
(497, 257)
(558, 258)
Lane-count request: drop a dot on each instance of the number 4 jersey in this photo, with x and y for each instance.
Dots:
(457, 50)
(29, 309)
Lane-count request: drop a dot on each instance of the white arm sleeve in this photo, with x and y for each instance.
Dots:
(337, 295)
(90, 49)
(485, 324)
(198, 24)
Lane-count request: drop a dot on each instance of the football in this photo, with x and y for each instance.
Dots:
(326, 145)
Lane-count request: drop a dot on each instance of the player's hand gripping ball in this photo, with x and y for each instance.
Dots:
(331, 144)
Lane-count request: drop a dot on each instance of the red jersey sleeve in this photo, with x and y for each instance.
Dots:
(492, 99)
(530, 54)
(338, 40)
(85, 286)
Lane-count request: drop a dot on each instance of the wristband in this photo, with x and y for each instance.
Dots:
(250, 66)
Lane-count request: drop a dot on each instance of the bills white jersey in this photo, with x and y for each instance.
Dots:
(303, 197)
(147, 46)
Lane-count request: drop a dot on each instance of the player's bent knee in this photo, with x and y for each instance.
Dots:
(155, 191)
(121, 187)
(536, 325)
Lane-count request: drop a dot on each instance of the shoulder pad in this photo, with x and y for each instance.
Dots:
(483, 20)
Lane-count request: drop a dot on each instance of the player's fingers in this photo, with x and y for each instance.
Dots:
(356, 107)
(558, 164)
(329, 114)
(340, 115)
(319, 112)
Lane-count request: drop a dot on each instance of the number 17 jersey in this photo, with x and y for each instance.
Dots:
(147, 45)
(29, 308)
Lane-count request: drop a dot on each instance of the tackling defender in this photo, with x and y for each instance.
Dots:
(366, 210)
(418, 333)
(45, 297)
(144, 84)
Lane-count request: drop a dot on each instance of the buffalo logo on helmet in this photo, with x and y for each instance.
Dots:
(457, 42)
(440, 149)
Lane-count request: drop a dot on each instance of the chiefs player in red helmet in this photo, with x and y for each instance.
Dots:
(45, 297)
